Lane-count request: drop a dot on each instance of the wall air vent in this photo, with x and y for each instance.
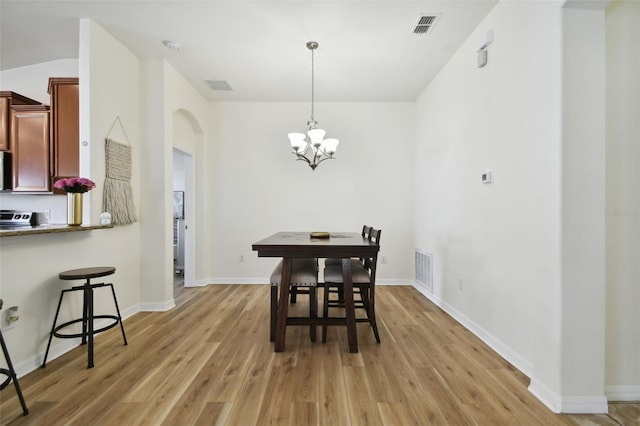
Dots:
(424, 269)
(425, 23)
(218, 84)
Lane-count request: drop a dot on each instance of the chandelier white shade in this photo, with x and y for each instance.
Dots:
(316, 148)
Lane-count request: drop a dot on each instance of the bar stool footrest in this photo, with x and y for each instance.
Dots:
(8, 380)
(79, 320)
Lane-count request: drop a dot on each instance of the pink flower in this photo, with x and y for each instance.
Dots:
(74, 184)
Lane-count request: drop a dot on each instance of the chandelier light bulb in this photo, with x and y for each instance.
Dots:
(330, 145)
(316, 136)
(297, 140)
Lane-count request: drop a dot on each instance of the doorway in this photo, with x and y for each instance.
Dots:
(181, 213)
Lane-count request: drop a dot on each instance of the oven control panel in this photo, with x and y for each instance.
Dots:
(17, 218)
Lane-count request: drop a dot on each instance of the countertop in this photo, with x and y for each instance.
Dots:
(47, 229)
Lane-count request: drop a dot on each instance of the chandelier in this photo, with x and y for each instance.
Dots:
(316, 149)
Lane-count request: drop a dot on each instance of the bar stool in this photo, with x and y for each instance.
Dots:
(11, 373)
(87, 309)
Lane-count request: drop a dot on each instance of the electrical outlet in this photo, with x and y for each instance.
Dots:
(384, 260)
(461, 283)
(10, 318)
(47, 213)
(241, 258)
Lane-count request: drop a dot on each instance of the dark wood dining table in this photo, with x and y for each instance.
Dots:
(290, 245)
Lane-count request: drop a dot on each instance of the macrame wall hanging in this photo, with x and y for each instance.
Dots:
(117, 197)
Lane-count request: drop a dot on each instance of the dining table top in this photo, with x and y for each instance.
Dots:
(302, 244)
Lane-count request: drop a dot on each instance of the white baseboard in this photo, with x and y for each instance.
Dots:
(548, 397)
(157, 307)
(503, 350)
(585, 405)
(596, 404)
(622, 393)
(393, 281)
(238, 281)
(555, 402)
(386, 281)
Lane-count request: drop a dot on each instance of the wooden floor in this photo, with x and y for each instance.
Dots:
(209, 361)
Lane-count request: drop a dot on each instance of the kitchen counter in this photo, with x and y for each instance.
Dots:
(47, 229)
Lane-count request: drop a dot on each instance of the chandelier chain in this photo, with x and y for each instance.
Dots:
(312, 83)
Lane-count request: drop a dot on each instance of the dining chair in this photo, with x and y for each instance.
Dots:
(304, 279)
(334, 261)
(363, 276)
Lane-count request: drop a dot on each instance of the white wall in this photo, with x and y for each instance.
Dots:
(583, 192)
(258, 188)
(622, 211)
(33, 81)
(521, 261)
(166, 93)
(496, 246)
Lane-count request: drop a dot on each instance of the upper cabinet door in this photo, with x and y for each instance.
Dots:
(6, 100)
(30, 148)
(65, 127)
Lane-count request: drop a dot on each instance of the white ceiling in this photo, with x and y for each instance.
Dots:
(367, 49)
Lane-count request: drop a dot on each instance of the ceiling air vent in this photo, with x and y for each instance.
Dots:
(425, 24)
(218, 84)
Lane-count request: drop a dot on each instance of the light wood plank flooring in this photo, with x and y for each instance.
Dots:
(209, 362)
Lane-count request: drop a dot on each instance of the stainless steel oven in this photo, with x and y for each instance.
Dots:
(11, 219)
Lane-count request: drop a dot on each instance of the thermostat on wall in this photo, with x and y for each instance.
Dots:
(487, 176)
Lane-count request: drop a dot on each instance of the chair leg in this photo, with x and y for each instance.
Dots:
(368, 299)
(53, 328)
(118, 311)
(274, 313)
(313, 310)
(12, 375)
(325, 310)
(293, 294)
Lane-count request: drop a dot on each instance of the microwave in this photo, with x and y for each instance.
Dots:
(5, 170)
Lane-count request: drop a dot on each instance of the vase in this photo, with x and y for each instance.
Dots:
(74, 208)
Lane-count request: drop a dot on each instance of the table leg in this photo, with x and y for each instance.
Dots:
(352, 335)
(283, 303)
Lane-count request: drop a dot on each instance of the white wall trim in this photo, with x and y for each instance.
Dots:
(503, 350)
(585, 405)
(157, 307)
(394, 281)
(264, 281)
(386, 281)
(622, 393)
(552, 400)
(200, 283)
(555, 402)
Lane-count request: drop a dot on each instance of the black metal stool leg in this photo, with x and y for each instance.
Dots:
(12, 375)
(115, 300)
(85, 310)
(53, 328)
(89, 336)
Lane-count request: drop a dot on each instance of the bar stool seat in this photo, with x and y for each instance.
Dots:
(10, 372)
(88, 315)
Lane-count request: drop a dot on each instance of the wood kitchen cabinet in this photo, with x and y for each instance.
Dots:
(65, 127)
(30, 147)
(7, 99)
